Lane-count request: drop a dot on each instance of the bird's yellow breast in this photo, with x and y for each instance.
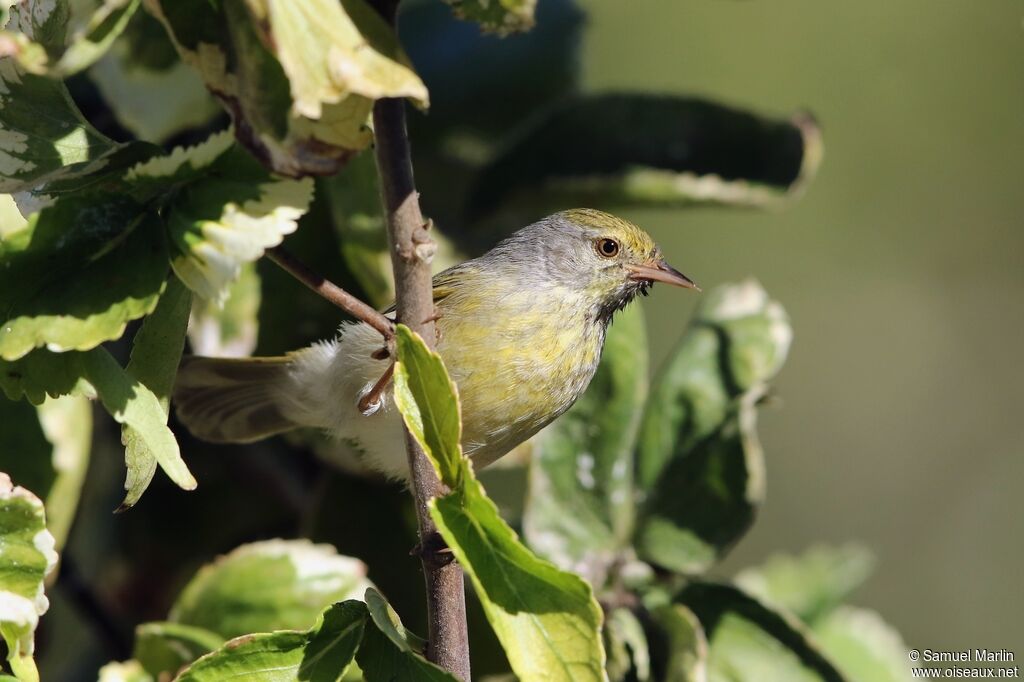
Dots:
(519, 361)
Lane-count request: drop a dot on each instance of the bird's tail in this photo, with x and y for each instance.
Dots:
(228, 400)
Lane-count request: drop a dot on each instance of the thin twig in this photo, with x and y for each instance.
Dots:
(411, 250)
(332, 292)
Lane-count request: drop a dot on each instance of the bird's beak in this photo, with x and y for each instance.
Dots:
(659, 271)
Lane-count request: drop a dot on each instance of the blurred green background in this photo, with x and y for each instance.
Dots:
(902, 269)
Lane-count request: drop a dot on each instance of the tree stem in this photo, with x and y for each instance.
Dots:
(411, 251)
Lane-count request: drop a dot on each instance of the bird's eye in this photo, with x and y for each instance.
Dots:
(609, 248)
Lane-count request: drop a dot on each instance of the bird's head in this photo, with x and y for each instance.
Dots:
(606, 259)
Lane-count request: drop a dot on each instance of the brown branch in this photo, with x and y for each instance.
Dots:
(411, 251)
(332, 292)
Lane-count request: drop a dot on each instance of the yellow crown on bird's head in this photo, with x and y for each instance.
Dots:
(629, 235)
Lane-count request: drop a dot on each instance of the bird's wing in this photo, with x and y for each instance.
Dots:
(445, 283)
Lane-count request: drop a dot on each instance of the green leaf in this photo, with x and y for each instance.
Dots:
(429, 404)
(46, 450)
(73, 34)
(132, 403)
(811, 584)
(72, 289)
(166, 648)
(43, 373)
(627, 648)
(156, 352)
(498, 16)
(684, 652)
(26, 558)
(633, 149)
(299, 77)
(698, 462)
(225, 217)
(389, 652)
(321, 654)
(579, 512)
(231, 329)
(97, 374)
(42, 133)
(747, 640)
(149, 90)
(864, 647)
(546, 619)
(270, 585)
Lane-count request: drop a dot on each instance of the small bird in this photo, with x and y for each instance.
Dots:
(520, 329)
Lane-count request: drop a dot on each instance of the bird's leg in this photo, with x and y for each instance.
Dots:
(371, 399)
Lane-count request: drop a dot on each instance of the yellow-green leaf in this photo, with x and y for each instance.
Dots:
(26, 558)
(156, 352)
(299, 77)
(546, 619)
(389, 652)
(429, 404)
(78, 273)
(269, 585)
(324, 652)
(72, 33)
(132, 403)
(166, 648)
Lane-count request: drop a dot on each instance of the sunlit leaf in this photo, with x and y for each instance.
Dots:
(629, 149)
(389, 652)
(97, 374)
(863, 646)
(579, 513)
(699, 463)
(156, 352)
(546, 619)
(72, 33)
(323, 653)
(43, 373)
(500, 16)
(427, 400)
(166, 648)
(747, 640)
(227, 215)
(42, 133)
(26, 558)
(811, 584)
(148, 89)
(72, 289)
(46, 450)
(299, 76)
(266, 586)
(133, 404)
